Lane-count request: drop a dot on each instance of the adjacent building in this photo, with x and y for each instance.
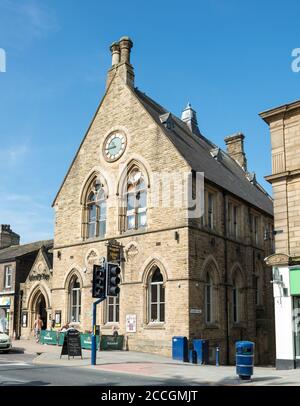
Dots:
(284, 123)
(16, 262)
(187, 269)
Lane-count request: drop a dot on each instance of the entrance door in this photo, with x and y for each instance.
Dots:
(41, 310)
(296, 320)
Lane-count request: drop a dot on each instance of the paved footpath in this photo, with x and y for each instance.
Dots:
(158, 367)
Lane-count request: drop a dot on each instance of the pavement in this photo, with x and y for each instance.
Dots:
(154, 367)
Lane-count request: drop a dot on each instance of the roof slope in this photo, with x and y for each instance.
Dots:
(16, 251)
(224, 172)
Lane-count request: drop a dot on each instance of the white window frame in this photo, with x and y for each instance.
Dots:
(158, 302)
(116, 306)
(76, 306)
(8, 276)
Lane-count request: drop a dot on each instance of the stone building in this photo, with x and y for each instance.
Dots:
(15, 264)
(284, 123)
(183, 273)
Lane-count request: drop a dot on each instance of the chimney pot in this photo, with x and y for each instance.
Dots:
(125, 47)
(115, 53)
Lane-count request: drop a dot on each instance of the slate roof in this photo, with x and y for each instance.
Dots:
(17, 251)
(196, 150)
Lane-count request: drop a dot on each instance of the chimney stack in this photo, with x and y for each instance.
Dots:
(235, 148)
(8, 237)
(190, 118)
(121, 66)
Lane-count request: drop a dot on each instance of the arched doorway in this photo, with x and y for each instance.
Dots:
(39, 307)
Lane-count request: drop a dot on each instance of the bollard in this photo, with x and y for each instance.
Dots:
(217, 356)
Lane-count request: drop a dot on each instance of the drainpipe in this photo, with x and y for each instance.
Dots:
(226, 277)
(20, 313)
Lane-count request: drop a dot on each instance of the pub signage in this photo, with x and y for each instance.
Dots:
(39, 277)
(114, 251)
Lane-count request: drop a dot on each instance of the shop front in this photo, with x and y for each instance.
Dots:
(5, 311)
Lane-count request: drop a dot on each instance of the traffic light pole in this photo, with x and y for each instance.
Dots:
(94, 337)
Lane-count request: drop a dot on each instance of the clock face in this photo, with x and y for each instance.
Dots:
(114, 146)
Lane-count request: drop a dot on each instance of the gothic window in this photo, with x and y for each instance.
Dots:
(95, 210)
(156, 298)
(75, 299)
(135, 199)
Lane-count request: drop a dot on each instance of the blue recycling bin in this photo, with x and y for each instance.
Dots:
(202, 349)
(180, 348)
(244, 359)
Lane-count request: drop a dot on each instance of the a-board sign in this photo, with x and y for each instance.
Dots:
(72, 344)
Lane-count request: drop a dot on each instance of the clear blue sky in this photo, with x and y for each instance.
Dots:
(230, 58)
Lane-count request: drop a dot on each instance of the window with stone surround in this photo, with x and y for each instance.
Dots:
(113, 304)
(238, 298)
(8, 276)
(75, 300)
(134, 214)
(94, 216)
(156, 298)
(210, 294)
(209, 299)
(233, 214)
(209, 218)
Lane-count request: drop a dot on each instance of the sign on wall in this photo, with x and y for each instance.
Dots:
(24, 319)
(4, 301)
(130, 323)
(57, 318)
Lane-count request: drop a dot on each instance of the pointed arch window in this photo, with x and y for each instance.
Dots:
(75, 299)
(157, 298)
(135, 199)
(95, 210)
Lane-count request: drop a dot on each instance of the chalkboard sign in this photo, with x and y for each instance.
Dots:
(72, 345)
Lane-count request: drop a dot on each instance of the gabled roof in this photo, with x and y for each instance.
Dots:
(196, 150)
(16, 251)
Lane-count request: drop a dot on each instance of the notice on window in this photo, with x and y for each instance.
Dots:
(130, 323)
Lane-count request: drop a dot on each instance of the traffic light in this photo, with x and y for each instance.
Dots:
(99, 282)
(113, 272)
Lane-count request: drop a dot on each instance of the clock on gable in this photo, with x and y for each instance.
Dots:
(114, 146)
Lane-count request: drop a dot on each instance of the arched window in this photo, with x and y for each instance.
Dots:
(156, 298)
(75, 299)
(135, 199)
(208, 299)
(113, 305)
(95, 208)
